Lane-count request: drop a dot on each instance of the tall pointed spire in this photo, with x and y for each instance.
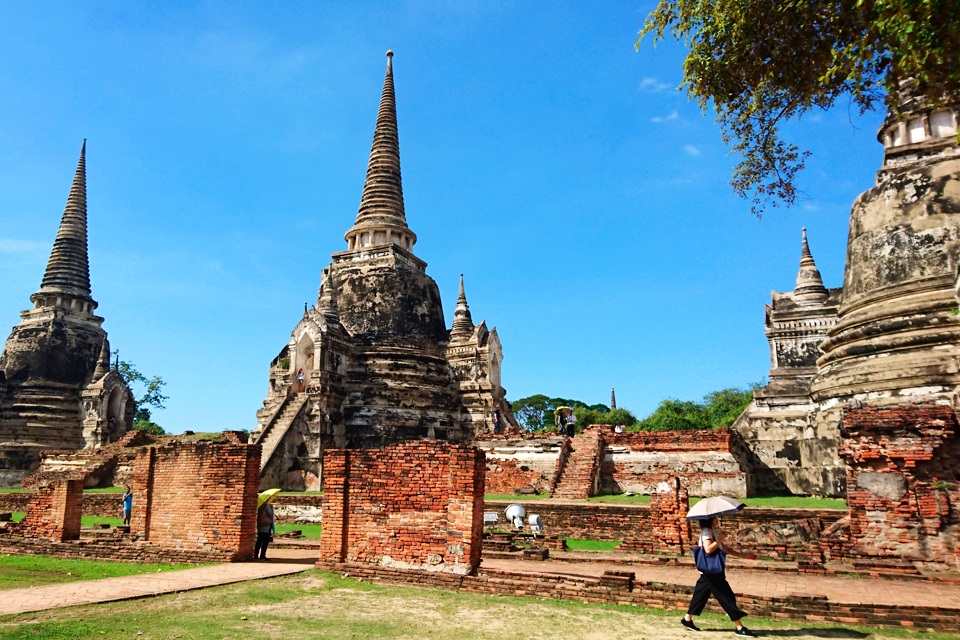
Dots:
(462, 321)
(613, 399)
(103, 363)
(382, 219)
(809, 289)
(68, 271)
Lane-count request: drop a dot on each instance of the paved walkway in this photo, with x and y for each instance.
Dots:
(52, 596)
(763, 583)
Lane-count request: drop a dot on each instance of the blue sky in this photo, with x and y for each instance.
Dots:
(584, 199)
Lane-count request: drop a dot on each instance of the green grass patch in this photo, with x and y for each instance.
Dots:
(317, 604)
(15, 491)
(795, 502)
(18, 572)
(620, 499)
(515, 498)
(591, 545)
(89, 521)
(106, 490)
(311, 531)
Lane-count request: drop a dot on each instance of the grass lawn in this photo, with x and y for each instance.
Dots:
(510, 496)
(591, 545)
(17, 572)
(311, 531)
(778, 502)
(85, 521)
(321, 605)
(106, 490)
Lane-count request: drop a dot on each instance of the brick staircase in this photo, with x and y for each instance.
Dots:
(270, 437)
(577, 476)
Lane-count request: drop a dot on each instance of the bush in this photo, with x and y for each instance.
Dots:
(717, 410)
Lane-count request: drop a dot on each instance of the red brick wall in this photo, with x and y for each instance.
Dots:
(671, 441)
(668, 511)
(416, 504)
(197, 496)
(903, 481)
(505, 475)
(54, 512)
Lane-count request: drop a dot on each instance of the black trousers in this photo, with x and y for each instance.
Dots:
(715, 583)
(260, 550)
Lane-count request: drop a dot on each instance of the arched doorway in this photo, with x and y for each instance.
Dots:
(114, 411)
(304, 360)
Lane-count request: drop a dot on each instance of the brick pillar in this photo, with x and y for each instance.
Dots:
(54, 512)
(668, 510)
(333, 536)
(142, 492)
(468, 467)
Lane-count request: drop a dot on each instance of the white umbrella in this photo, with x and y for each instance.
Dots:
(712, 507)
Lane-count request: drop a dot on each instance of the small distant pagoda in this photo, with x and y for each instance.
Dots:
(57, 389)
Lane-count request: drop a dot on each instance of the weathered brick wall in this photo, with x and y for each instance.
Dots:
(197, 495)
(416, 504)
(706, 461)
(903, 481)
(505, 475)
(54, 512)
(668, 510)
(774, 533)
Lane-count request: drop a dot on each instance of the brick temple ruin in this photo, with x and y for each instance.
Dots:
(378, 363)
(57, 389)
(889, 337)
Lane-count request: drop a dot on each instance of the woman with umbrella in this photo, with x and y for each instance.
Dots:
(710, 559)
(265, 524)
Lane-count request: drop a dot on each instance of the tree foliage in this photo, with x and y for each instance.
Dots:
(537, 412)
(718, 409)
(151, 396)
(762, 62)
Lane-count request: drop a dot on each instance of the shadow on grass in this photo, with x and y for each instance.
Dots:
(804, 632)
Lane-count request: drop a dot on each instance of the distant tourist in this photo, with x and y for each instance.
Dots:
(112, 424)
(265, 531)
(571, 425)
(711, 543)
(300, 380)
(127, 506)
(618, 428)
(496, 421)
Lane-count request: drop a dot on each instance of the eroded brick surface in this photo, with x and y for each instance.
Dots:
(415, 505)
(54, 512)
(197, 495)
(902, 482)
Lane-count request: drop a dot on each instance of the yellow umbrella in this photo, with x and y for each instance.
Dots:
(563, 411)
(266, 497)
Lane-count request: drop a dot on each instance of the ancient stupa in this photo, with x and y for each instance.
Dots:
(57, 389)
(372, 362)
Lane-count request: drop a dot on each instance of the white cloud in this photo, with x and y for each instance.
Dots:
(9, 245)
(672, 116)
(815, 118)
(692, 150)
(811, 207)
(652, 85)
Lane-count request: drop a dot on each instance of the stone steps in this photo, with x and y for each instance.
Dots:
(278, 428)
(583, 464)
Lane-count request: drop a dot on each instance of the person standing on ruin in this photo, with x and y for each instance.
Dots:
(496, 422)
(571, 425)
(265, 530)
(300, 380)
(127, 506)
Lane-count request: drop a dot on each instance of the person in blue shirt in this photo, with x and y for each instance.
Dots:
(127, 506)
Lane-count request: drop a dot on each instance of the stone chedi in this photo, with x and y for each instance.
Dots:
(891, 338)
(57, 390)
(786, 451)
(372, 363)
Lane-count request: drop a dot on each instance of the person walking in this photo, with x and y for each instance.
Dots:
(127, 506)
(713, 581)
(571, 425)
(265, 530)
